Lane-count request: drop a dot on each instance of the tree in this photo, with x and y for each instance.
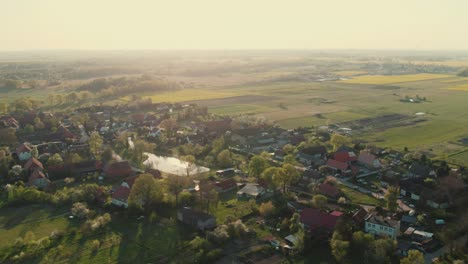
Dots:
(289, 159)
(340, 248)
(256, 166)
(107, 155)
(270, 174)
(55, 160)
(319, 201)
(169, 125)
(414, 257)
(190, 159)
(28, 129)
(95, 144)
(38, 123)
(145, 193)
(338, 140)
(8, 137)
(392, 198)
(80, 210)
(176, 185)
(295, 223)
(139, 150)
(266, 209)
(224, 159)
(34, 152)
(285, 176)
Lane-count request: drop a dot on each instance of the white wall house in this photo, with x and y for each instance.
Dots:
(381, 226)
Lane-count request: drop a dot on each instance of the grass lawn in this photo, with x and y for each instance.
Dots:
(384, 79)
(357, 197)
(229, 205)
(41, 220)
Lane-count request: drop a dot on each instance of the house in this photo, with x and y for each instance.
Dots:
(250, 191)
(118, 169)
(408, 219)
(23, 152)
(199, 220)
(225, 186)
(312, 155)
(418, 170)
(217, 125)
(382, 226)
(33, 164)
(369, 160)
(345, 156)
(404, 246)
(154, 132)
(156, 173)
(342, 167)
(314, 219)
(9, 121)
(329, 190)
(38, 179)
(359, 216)
(86, 167)
(120, 196)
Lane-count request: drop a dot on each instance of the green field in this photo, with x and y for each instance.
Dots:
(188, 95)
(460, 158)
(238, 109)
(357, 197)
(15, 222)
(388, 79)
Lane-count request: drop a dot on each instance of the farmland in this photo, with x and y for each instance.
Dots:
(380, 79)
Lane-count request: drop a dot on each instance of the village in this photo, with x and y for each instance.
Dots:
(246, 189)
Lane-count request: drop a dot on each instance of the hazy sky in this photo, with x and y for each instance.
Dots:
(233, 24)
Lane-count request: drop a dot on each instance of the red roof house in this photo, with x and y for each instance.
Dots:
(315, 219)
(225, 186)
(118, 169)
(329, 190)
(38, 179)
(33, 164)
(345, 156)
(368, 160)
(337, 165)
(120, 196)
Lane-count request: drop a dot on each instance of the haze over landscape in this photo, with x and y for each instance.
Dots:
(242, 24)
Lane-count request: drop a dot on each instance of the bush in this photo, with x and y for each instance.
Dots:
(267, 209)
(95, 244)
(80, 210)
(213, 255)
(220, 235)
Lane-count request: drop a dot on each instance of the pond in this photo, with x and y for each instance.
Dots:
(173, 165)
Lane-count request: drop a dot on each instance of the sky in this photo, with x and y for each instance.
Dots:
(233, 24)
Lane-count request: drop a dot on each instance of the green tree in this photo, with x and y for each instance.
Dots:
(286, 176)
(139, 150)
(145, 193)
(8, 137)
(55, 160)
(414, 257)
(176, 184)
(256, 166)
(95, 144)
(340, 248)
(338, 140)
(38, 124)
(190, 159)
(392, 198)
(319, 201)
(224, 159)
(34, 152)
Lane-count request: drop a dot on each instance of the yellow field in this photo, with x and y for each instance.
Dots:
(187, 95)
(456, 79)
(350, 73)
(463, 87)
(390, 79)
